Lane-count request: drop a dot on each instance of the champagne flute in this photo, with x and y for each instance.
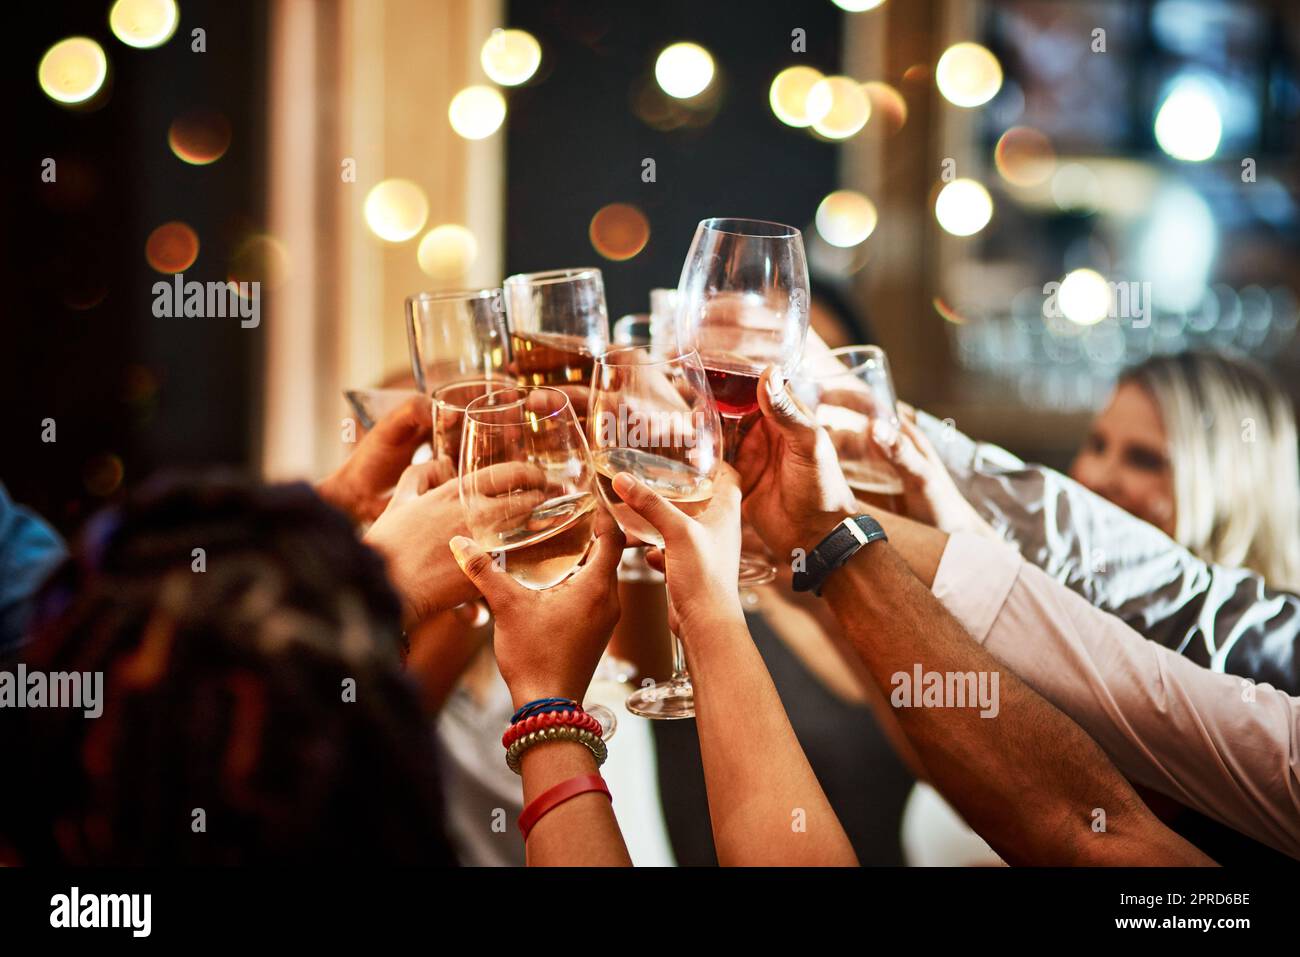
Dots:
(654, 417)
(455, 335)
(742, 304)
(847, 389)
(525, 488)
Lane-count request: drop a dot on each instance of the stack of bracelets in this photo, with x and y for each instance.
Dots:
(551, 719)
(554, 719)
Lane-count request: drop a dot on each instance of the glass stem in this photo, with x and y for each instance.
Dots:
(679, 653)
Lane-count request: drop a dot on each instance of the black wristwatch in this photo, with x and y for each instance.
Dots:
(835, 549)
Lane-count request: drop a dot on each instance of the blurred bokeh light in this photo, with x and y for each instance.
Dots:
(1024, 157)
(447, 252)
(73, 70)
(684, 70)
(172, 247)
(619, 231)
(396, 209)
(837, 107)
(1188, 126)
(510, 57)
(788, 94)
(857, 6)
(477, 112)
(888, 108)
(199, 137)
(1084, 297)
(968, 75)
(846, 218)
(963, 207)
(144, 23)
(259, 258)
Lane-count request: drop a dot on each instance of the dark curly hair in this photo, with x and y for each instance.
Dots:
(224, 690)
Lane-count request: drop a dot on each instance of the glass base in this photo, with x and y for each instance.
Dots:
(755, 570)
(666, 701)
(605, 717)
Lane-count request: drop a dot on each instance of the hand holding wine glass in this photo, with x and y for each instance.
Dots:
(548, 641)
(700, 556)
(362, 485)
(793, 488)
(743, 304)
(412, 535)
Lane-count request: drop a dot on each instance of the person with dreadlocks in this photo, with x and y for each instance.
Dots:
(254, 707)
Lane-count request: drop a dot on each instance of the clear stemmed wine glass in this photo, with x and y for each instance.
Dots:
(449, 404)
(654, 417)
(558, 324)
(847, 389)
(526, 487)
(455, 335)
(742, 304)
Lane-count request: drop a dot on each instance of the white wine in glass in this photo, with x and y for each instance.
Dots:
(652, 415)
(526, 488)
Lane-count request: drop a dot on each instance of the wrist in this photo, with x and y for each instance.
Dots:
(814, 529)
(523, 692)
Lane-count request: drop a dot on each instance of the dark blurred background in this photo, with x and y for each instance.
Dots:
(128, 392)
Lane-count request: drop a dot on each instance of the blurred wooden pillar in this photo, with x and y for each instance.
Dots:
(367, 81)
(899, 173)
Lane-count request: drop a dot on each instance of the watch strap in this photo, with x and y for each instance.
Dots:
(843, 542)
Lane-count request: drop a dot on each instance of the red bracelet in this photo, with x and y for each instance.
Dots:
(576, 719)
(551, 798)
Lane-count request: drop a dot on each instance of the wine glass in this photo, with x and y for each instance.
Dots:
(742, 304)
(847, 389)
(633, 330)
(449, 404)
(525, 488)
(558, 324)
(654, 417)
(455, 335)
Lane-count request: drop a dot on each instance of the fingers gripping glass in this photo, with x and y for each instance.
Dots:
(526, 488)
(742, 304)
(848, 390)
(655, 418)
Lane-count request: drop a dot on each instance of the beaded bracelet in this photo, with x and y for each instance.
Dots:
(550, 704)
(560, 733)
(536, 722)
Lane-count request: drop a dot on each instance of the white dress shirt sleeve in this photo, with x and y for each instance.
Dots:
(1220, 744)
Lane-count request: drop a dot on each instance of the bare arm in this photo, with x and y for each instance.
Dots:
(765, 803)
(1028, 779)
(547, 644)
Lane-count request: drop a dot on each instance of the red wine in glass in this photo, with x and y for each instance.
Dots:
(734, 390)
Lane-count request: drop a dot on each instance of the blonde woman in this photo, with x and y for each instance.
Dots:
(1201, 446)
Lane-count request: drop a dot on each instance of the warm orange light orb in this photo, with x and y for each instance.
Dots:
(619, 231)
(172, 247)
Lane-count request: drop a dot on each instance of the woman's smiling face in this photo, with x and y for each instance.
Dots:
(1125, 458)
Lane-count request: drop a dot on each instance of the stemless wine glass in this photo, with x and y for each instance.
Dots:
(654, 417)
(454, 335)
(848, 389)
(525, 487)
(558, 324)
(742, 304)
